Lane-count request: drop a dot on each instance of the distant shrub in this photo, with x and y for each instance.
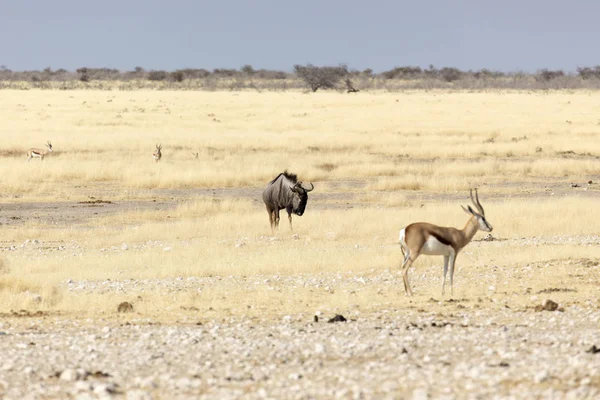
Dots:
(545, 75)
(157, 75)
(487, 74)
(450, 74)
(191, 73)
(402, 73)
(270, 74)
(225, 72)
(589, 73)
(177, 76)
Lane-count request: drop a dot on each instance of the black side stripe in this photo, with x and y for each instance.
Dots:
(440, 239)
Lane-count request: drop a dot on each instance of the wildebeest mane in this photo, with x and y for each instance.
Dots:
(291, 177)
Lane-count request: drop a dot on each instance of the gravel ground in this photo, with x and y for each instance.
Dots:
(486, 353)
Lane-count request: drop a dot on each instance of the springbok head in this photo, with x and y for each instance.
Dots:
(483, 223)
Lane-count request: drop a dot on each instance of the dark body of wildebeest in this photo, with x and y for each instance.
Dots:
(285, 192)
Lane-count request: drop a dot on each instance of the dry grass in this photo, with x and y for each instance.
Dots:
(414, 155)
(424, 138)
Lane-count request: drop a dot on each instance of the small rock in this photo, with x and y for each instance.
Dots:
(125, 307)
(167, 249)
(593, 350)
(337, 318)
(548, 306)
(124, 247)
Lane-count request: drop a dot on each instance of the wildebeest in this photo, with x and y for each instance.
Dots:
(285, 192)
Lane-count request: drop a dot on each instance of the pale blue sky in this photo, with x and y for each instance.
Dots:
(507, 35)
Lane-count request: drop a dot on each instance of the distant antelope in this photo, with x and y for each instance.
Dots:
(157, 154)
(39, 152)
(423, 238)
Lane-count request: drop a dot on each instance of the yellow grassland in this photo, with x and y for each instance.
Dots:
(397, 158)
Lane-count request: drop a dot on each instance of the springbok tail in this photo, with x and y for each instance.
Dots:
(403, 246)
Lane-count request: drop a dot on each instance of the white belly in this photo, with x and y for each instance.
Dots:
(434, 247)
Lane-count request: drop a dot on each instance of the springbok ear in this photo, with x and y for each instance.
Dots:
(468, 211)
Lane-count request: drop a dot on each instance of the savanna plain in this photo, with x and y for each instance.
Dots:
(122, 277)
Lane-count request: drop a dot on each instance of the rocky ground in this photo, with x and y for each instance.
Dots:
(486, 353)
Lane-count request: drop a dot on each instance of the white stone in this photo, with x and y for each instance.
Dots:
(69, 375)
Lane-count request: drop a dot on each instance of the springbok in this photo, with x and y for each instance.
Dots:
(157, 154)
(423, 238)
(39, 152)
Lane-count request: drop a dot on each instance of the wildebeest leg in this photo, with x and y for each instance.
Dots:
(271, 218)
(276, 211)
(290, 219)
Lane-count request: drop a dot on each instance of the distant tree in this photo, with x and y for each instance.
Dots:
(83, 74)
(247, 69)
(320, 77)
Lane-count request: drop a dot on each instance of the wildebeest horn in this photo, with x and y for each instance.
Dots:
(306, 189)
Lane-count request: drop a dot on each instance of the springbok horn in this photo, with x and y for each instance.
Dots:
(476, 201)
